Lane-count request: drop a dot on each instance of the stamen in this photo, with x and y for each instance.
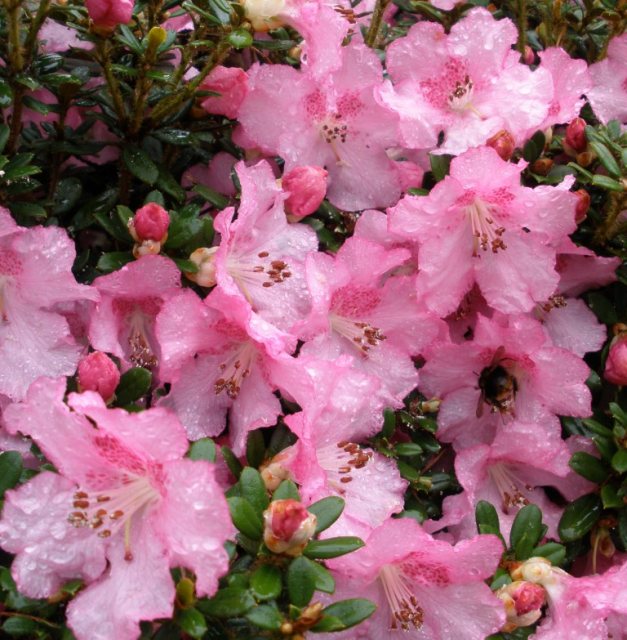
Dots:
(266, 273)
(361, 334)
(508, 485)
(141, 354)
(235, 369)
(341, 461)
(403, 604)
(485, 232)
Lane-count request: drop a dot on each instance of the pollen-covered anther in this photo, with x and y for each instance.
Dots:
(484, 230)
(460, 96)
(554, 302)
(405, 611)
(236, 369)
(141, 355)
(363, 335)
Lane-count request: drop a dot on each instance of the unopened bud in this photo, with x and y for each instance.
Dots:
(616, 363)
(536, 570)
(583, 204)
(204, 259)
(288, 527)
(307, 187)
(585, 158)
(232, 85)
(263, 14)
(523, 603)
(149, 229)
(575, 139)
(430, 406)
(542, 166)
(273, 473)
(108, 14)
(311, 614)
(529, 56)
(503, 143)
(295, 53)
(156, 37)
(97, 372)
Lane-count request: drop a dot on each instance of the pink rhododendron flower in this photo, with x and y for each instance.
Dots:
(231, 84)
(356, 312)
(331, 122)
(479, 225)
(125, 508)
(423, 588)
(123, 321)
(508, 473)
(509, 370)
(108, 14)
(608, 95)
(259, 262)
(35, 277)
(468, 84)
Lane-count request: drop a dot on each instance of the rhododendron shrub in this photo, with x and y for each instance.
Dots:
(313, 320)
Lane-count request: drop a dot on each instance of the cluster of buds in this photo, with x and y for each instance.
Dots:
(288, 527)
(306, 188)
(576, 143)
(97, 372)
(149, 228)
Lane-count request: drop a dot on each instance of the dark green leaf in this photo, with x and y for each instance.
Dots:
(234, 465)
(213, 197)
(349, 612)
(440, 165)
(552, 551)
(324, 580)
(10, 470)
(408, 449)
(240, 38)
(606, 158)
(17, 626)
(610, 497)
(526, 531)
(287, 489)
(534, 147)
(327, 511)
(332, 547)
(301, 581)
(589, 467)
(204, 449)
(192, 622)
(246, 518)
(113, 261)
(134, 384)
(265, 616)
(253, 489)
(579, 517)
(487, 518)
(607, 183)
(265, 582)
(389, 423)
(140, 164)
(255, 448)
(228, 603)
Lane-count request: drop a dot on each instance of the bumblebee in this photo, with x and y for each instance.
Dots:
(498, 386)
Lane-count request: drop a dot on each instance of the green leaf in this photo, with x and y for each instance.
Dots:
(610, 497)
(10, 470)
(327, 511)
(229, 602)
(5, 132)
(203, 449)
(6, 95)
(332, 547)
(553, 551)
(606, 158)
(140, 164)
(579, 517)
(67, 195)
(265, 582)
(534, 147)
(255, 448)
(185, 266)
(17, 626)
(440, 165)
(286, 490)
(234, 465)
(408, 449)
(349, 612)
(301, 581)
(487, 518)
(324, 580)
(253, 489)
(622, 526)
(240, 38)
(134, 384)
(246, 518)
(589, 467)
(114, 227)
(389, 423)
(265, 616)
(113, 261)
(501, 578)
(607, 183)
(221, 9)
(526, 531)
(192, 622)
(619, 461)
(213, 197)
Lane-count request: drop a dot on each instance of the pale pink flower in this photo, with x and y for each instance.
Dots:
(468, 84)
(35, 277)
(608, 95)
(231, 84)
(124, 494)
(424, 588)
(479, 225)
(331, 122)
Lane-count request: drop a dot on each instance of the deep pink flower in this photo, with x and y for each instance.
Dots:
(124, 494)
(616, 363)
(423, 588)
(479, 225)
(123, 321)
(608, 95)
(509, 370)
(306, 188)
(331, 122)
(468, 84)
(107, 14)
(35, 278)
(150, 222)
(231, 84)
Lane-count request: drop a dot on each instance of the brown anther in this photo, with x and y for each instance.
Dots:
(263, 254)
(346, 479)
(81, 504)
(104, 534)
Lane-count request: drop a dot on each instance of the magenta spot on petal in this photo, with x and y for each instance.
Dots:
(467, 198)
(232, 331)
(10, 264)
(354, 302)
(554, 109)
(428, 573)
(624, 85)
(113, 451)
(501, 197)
(438, 89)
(148, 306)
(349, 105)
(315, 105)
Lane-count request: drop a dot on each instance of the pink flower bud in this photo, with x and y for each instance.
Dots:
(523, 603)
(288, 527)
(151, 222)
(107, 14)
(616, 363)
(503, 143)
(529, 56)
(307, 187)
(575, 139)
(204, 259)
(583, 204)
(232, 85)
(97, 372)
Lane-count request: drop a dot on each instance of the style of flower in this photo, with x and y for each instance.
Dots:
(36, 280)
(331, 122)
(468, 84)
(125, 507)
(479, 225)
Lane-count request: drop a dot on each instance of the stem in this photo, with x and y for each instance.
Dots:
(104, 58)
(615, 206)
(375, 22)
(14, 614)
(522, 26)
(16, 61)
(35, 26)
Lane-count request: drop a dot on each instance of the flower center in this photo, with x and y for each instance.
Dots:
(265, 272)
(141, 354)
(403, 604)
(360, 334)
(460, 97)
(486, 233)
(508, 485)
(340, 461)
(109, 511)
(235, 369)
